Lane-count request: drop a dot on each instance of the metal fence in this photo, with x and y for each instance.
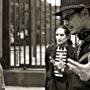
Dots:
(31, 26)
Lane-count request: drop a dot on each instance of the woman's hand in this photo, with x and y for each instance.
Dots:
(60, 65)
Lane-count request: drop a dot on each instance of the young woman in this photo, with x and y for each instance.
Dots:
(58, 76)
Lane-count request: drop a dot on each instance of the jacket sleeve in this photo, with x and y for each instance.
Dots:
(72, 53)
(49, 83)
(47, 58)
(48, 65)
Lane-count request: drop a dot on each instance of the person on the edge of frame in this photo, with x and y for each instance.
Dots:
(2, 82)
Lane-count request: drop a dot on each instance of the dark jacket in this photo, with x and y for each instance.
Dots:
(78, 84)
(50, 78)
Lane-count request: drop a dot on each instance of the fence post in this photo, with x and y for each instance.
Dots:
(0, 28)
(5, 34)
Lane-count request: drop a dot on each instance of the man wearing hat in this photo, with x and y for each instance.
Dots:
(76, 16)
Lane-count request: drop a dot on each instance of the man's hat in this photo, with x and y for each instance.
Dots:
(72, 4)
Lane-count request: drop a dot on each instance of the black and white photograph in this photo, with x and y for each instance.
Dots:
(44, 44)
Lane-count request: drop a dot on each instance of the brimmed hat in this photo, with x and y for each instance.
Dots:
(72, 4)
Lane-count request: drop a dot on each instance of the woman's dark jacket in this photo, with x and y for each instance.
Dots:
(51, 51)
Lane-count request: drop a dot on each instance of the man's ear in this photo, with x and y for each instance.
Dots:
(84, 12)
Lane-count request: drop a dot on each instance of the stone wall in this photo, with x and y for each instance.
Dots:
(29, 78)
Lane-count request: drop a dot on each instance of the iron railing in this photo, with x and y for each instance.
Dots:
(31, 27)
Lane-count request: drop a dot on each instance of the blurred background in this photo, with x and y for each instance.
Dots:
(27, 27)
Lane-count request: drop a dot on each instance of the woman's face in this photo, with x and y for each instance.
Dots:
(60, 35)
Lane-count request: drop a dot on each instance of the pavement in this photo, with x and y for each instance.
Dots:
(23, 88)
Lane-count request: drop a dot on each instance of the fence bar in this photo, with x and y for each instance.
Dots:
(24, 3)
(14, 15)
(45, 25)
(19, 32)
(40, 35)
(30, 41)
(55, 16)
(35, 34)
(5, 34)
(50, 22)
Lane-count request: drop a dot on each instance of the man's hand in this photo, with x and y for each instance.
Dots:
(82, 70)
